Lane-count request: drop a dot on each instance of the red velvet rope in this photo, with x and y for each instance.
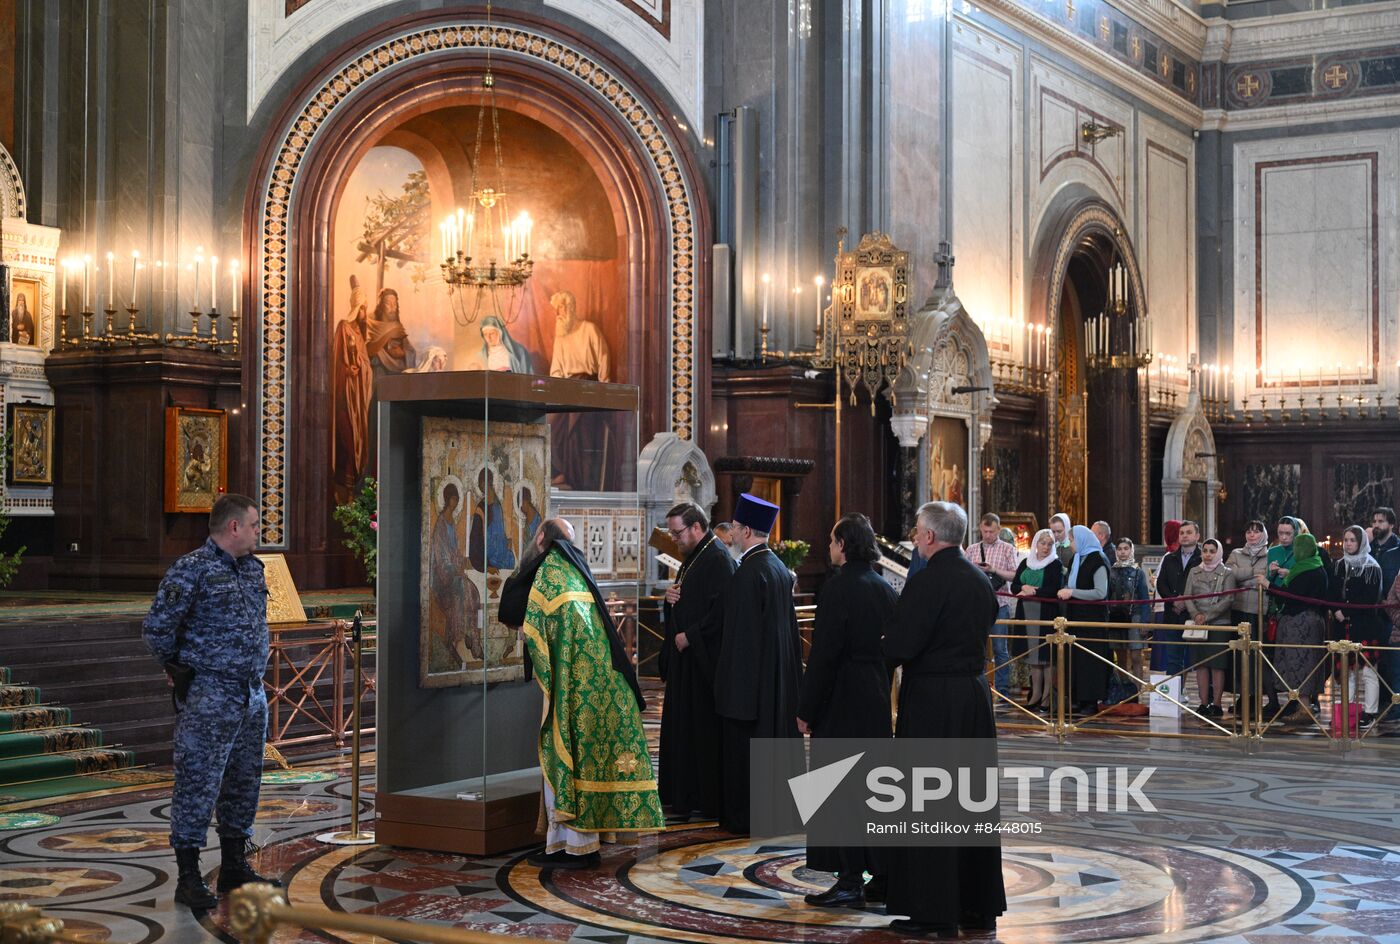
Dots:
(1312, 601)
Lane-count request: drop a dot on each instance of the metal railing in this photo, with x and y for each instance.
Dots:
(303, 663)
(257, 911)
(1258, 672)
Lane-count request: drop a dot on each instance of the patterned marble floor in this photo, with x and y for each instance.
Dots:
(103, 866)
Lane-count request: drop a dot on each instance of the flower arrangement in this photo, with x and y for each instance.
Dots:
(359, 517)
(792, 553)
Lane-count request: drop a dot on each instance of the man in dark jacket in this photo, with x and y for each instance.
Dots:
(694, 617)
(1385, 548)
(760, 659)
(939, 636)
(1171, 582)
(846, 690)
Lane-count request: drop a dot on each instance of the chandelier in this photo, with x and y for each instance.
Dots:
(1113, 339)
(486, 251)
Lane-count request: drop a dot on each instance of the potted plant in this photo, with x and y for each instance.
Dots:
(359, 517)
(792, 553)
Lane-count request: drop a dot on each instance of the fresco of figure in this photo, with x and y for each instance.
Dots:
(390, 350)
(352, 385)
(434, 359)
(22, 322)
(500, 351)
(581, 440)
(580, 350)
(452, 590)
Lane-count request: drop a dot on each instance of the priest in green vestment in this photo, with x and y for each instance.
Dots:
(598, 777)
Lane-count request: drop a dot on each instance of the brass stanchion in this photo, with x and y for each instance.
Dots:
(1346, 689)
(1246, 696)
(355, 837)
(1061, 726)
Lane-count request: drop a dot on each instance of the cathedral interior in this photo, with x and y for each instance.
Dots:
(417, 275)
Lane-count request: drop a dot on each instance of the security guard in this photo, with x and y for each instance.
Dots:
(208, 628)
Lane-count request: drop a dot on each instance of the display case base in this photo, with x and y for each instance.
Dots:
(436, 818)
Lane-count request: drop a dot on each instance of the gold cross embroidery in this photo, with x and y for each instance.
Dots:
(1336, 76)
(1247, 85)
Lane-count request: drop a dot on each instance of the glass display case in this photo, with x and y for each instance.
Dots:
(468, 471)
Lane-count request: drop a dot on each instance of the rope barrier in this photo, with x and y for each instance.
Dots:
(1283, 594)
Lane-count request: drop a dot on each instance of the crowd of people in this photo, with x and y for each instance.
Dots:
(1187, 610)
(732, 665)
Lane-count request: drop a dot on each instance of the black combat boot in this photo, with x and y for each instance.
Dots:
(190, 889)
(234, 870)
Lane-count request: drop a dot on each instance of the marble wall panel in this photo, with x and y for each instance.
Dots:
(987, 174)
(1166, 238)
(1272, 491)
(1314, 261)
(1358, 488)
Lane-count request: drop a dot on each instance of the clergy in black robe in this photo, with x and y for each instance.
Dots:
(846, 688)
(939, 636)
(759, 672)
(689, 775)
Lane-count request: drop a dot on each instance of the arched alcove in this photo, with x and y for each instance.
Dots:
(393, 89)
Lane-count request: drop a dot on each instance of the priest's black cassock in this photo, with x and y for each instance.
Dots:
(759, 673)
(689, 771)
(846, 688)
(939, 636)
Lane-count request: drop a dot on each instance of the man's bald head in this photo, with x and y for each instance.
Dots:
(555, 529)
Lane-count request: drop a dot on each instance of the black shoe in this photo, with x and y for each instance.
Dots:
(234, 870)
(978, 923)
(920, 929)
(563, 859)
(190, 889)
(1216, 711)
(875, 889)
(839, 895)
(1367, 719)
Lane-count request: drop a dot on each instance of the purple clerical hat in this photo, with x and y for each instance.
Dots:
(755, 513)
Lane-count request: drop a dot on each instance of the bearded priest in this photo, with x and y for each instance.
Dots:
(598, 780)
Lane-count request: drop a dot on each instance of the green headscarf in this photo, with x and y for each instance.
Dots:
(1305, 557)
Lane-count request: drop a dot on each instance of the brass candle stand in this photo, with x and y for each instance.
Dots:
(211, 340)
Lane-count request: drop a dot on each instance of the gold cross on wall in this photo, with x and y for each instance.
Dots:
(1336, 77)
(1247, 85)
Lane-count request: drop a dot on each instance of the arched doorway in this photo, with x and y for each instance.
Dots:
(1097, 422)
(384, 91)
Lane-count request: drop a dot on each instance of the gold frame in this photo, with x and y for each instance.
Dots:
(192, 502)
(44, 412)
(870, 307)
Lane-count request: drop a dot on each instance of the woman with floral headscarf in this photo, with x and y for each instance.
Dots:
(1087, 582)
(1356, 578)
(1301, 624)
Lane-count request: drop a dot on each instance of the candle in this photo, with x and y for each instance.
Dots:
(471, 229)
(87, 278)
(213, 283)
(135, 261)
(63, 286)
(233, 273)
(819, 281)
(111, 281)
(198, 258)
(135, 296)
(767, 287)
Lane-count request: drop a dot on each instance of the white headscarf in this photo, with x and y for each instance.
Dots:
(1040, 563)
(1362, 559)
(1069, 527)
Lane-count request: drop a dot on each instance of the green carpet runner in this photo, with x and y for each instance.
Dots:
(38, 744)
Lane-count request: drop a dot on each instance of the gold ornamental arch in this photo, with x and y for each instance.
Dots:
(356, 76)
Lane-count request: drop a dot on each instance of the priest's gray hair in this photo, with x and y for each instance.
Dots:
(946, 520)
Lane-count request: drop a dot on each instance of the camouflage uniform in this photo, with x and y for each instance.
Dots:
(210, 614)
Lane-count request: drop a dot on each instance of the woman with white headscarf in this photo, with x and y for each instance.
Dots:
(1038, 579)
(1087, 582)
(1062, 529)
(1356, 578)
